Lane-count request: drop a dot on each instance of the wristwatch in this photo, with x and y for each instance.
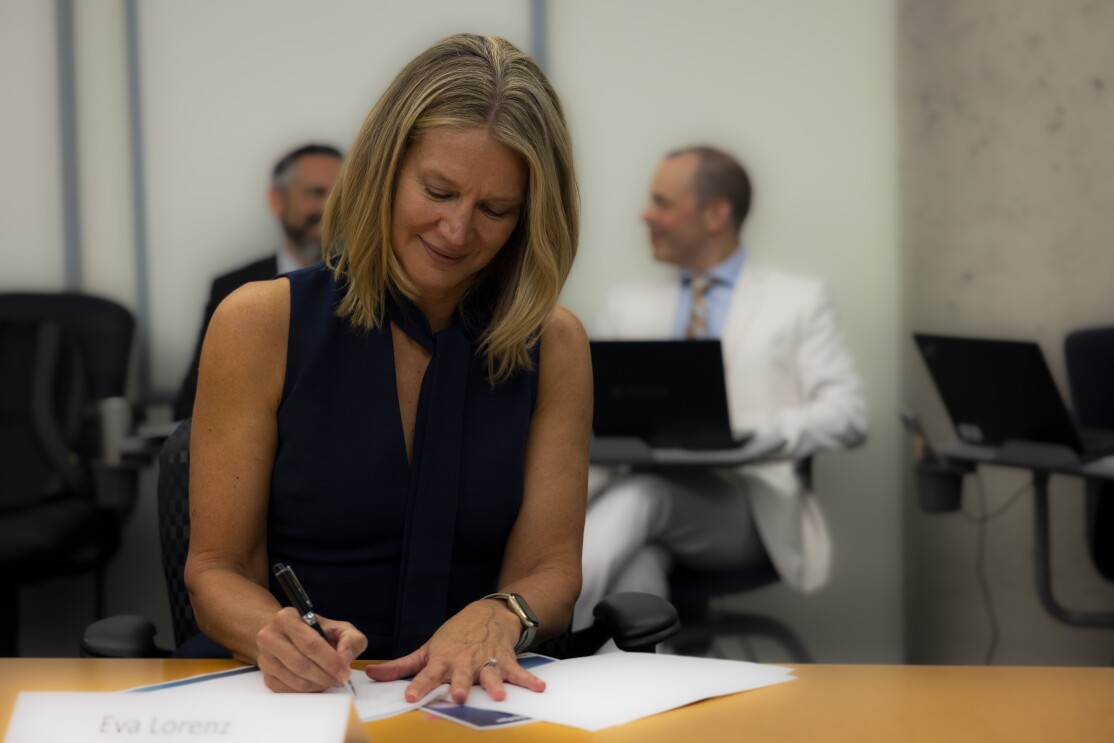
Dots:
(525, 614)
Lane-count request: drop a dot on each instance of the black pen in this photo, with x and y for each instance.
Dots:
(298, 597)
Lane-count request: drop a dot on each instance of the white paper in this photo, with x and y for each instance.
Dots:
(166, 717)
(484, 719)
(613, 688)
(378, 699)
(374, 699)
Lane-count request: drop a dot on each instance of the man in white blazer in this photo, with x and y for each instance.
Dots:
(789, 375)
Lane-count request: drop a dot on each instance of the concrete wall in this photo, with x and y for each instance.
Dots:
(1007, 155)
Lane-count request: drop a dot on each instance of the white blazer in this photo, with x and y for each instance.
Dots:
(790, 375)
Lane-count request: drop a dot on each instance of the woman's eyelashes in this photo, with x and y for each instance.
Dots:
(497, 213)
(491, 211)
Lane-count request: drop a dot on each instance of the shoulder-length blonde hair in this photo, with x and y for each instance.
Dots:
(462, 81)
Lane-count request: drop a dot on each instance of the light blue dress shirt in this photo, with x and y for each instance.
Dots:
(724, 277)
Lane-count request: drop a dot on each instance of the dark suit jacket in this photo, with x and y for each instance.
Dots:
(260, 270)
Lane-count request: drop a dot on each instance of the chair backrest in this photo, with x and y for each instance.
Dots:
(59, 354)
(691, 585)
(1089, 356)
(174, 527)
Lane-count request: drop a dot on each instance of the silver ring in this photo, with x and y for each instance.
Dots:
(491, 662)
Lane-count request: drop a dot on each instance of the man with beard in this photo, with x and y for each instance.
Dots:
(300, 185)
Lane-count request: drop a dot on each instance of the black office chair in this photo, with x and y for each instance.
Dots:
(1089, 355)
(692, 591)
(61, 506)
(637, 622)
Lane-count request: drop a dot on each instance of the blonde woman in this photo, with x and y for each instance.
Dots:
(406, 425)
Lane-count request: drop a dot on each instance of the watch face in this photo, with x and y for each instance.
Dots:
(525, 608)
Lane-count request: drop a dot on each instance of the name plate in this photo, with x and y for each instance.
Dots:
(112, 717)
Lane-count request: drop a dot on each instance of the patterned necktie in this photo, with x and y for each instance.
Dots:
(698, 320)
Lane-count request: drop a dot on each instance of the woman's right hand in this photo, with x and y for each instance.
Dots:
(293, 657)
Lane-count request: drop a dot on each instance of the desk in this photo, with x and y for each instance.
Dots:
(634, 452)
(1043, 461)
(856, 704)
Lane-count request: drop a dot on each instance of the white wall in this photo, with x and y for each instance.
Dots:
(229, 87)
(31, 245)
(104, 140)
(1008, 154)
(226, 88)
(804, 93)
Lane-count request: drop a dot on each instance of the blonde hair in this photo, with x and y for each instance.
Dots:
(462, 81)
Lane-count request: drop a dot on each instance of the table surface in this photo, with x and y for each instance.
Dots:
(619, 450)
(827, 703)
(1027, 456)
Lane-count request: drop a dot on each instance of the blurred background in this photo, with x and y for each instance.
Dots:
(945, 166)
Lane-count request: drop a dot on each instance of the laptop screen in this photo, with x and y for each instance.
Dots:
(997, 390)
(668, 393)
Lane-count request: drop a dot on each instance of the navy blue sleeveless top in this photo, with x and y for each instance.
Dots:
(392, 546)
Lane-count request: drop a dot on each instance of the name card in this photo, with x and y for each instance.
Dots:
(107, 717)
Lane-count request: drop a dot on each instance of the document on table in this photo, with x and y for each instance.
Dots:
(599, 691)
(374, 699)
(487, 719)
(589, 693)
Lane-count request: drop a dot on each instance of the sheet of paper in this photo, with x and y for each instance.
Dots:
(374, 699)
(486, 719)
(378, 699)
(613, 688)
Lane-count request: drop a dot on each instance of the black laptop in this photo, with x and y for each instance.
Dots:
(670, 394)
(997, 391)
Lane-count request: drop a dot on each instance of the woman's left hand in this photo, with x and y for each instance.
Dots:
(475, 646)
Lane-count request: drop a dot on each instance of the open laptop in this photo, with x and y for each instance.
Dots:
(671, 394)
(997, 391)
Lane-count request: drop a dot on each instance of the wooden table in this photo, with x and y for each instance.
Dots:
(827, 703)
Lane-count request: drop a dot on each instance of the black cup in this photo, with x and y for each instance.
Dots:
(939, 486)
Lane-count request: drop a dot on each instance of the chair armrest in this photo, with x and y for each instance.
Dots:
(121, 636)
(637, 622)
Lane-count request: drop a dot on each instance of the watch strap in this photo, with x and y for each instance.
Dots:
(520, 609)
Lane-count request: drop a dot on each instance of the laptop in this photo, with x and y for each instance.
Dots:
(670, 394)
(997, 391)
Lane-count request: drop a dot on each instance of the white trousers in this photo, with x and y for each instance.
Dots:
(641, 524)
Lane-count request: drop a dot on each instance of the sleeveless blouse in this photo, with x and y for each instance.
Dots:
(392, 546)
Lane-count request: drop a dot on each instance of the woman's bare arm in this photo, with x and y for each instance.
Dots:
(232, 451)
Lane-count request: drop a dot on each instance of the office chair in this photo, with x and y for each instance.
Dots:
(637, 622)
(1089, 355)
(61, 506)
(692, 591)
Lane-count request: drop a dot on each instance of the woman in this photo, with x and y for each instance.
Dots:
(408, 425)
